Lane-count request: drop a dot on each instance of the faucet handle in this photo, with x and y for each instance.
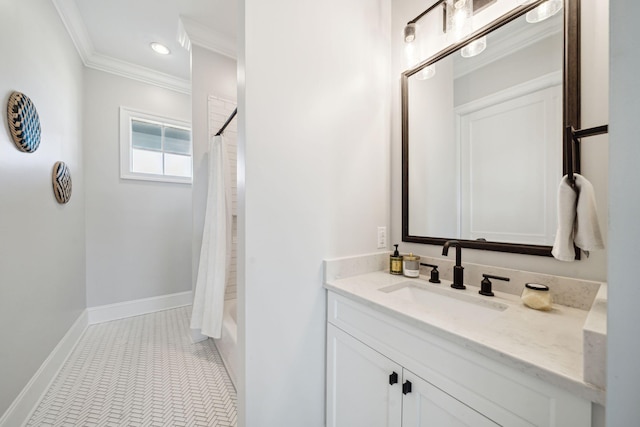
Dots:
(485, 285)
(435, 274)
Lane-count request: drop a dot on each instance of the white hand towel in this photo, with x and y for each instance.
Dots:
(577, 220)
(567, 201)
(587, 230)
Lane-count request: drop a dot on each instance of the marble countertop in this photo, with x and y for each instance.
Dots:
(547, 345)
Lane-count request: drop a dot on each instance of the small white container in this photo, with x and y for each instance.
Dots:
(536, 296)
(411, 265)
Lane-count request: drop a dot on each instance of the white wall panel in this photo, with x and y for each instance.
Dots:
(314, 161)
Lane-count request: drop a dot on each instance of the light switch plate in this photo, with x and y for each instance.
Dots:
(382, 237)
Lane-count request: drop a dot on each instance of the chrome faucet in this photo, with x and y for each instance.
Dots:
(458, 269)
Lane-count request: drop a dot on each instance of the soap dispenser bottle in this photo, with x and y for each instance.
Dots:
(395, 262)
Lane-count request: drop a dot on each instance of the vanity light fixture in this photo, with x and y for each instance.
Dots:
(160, 48)
(544, 11)
(411, 55)
(456, 23)
(410, 28)
(410, 32)
(456, 17)
(458, 14)
(474, 48)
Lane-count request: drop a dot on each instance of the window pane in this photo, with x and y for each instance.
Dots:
(177, 140)
(146, 135)
(177, 165)
(145, 161)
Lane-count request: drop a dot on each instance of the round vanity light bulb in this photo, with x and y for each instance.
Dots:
(544, 11)
(459, 15)
(411, 55)
(459, 4)
(427, 72)
(410, 32)
(474, 48)
(160, 48)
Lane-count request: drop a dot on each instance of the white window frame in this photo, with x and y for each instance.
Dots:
(126, 161)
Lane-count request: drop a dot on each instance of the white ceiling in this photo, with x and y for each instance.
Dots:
(114, 35)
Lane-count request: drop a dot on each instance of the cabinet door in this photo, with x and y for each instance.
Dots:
(361, 388)
(426, 405)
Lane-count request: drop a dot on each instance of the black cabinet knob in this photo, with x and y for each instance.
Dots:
(393, 378)
(406, 387)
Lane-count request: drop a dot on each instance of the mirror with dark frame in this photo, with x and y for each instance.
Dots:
(482, 136)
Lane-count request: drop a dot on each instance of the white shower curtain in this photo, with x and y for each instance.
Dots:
(215, 253)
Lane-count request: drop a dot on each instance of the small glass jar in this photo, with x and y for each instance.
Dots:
(411, 265)
(536, 296)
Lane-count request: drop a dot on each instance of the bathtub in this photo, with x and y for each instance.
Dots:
(227, 344)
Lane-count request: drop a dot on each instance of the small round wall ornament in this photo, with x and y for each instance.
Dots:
(23, 121)
(61, 182)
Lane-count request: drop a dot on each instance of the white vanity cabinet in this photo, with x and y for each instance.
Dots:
(364, 388)
(367, 389)
(450, 386)
(425, 405)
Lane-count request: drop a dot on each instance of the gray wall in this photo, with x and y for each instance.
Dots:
(42, 243)
(623, 381)
(211, 74)
(138, 232)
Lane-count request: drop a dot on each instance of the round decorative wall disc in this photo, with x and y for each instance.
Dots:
(24, 123)
(61, 182)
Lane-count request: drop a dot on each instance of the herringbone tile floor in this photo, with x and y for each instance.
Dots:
(141, 371)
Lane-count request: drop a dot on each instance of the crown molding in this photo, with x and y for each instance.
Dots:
(183, 37)
(72, 20)
(131, 71)
(191, 32)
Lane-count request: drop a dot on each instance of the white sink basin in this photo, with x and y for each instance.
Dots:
(456, 303)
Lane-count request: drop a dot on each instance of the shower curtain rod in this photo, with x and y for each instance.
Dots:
(224, 126)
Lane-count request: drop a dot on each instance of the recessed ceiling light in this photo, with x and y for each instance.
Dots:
(160, 48)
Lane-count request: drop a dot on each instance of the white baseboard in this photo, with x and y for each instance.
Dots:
(121, 310)
(20, 410)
